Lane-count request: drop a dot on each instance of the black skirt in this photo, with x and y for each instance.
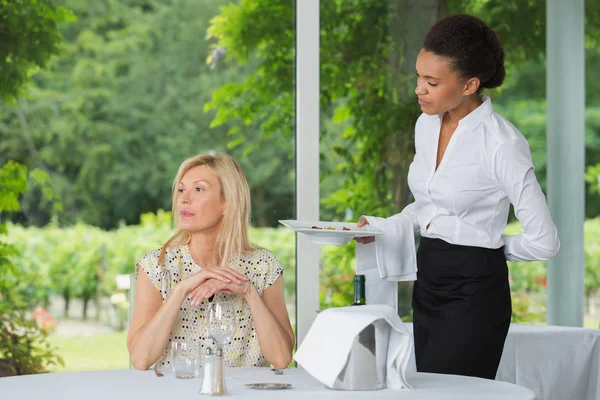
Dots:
(462, 308)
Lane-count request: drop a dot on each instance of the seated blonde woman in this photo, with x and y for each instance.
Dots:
(210, 256)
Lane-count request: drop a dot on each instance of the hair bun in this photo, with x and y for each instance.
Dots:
(472, 46)
(499, 74)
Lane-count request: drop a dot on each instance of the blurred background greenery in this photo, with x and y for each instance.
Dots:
(103, 99)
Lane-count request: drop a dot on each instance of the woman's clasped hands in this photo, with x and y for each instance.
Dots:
(204, 284)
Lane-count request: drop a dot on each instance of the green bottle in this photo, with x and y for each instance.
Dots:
(359, 290)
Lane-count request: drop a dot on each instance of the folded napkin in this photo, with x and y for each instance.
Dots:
(325, 349)
(391, 258)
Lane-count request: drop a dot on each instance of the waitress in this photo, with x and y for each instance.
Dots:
(470, 165)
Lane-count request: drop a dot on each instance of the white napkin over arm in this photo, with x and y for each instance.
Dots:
(395, 251)
(390, 259)
(325, 349)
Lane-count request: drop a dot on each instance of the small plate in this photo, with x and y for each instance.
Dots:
(332, 233)
(269, 386)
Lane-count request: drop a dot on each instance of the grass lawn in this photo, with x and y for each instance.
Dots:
(591, 322)
(86, 353)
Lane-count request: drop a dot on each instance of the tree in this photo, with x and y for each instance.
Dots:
(115, 115)
(30, 36)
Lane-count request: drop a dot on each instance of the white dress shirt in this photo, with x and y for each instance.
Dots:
(487, 165)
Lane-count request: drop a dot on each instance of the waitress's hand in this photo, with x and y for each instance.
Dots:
(362, 221)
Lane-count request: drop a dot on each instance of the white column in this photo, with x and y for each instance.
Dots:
(307, 161)
(566, 157)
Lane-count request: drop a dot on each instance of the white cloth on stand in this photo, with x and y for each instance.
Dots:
(556, 362)
(390, 259)
(325, 349)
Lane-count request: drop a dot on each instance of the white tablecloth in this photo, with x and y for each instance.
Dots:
(133, 385)
(556, 363)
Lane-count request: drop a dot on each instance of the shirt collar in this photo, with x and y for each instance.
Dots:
(473, 119)
(478, 115)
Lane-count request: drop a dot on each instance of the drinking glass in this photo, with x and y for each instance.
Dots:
(186, 359)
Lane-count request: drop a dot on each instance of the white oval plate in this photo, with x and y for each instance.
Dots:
(331, 233)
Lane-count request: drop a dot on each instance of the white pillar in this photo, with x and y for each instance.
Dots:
(566, 157)
(307, 161)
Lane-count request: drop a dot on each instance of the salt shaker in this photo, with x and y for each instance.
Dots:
(219, 385)
(209, 372)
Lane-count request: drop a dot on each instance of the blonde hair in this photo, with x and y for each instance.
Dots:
(232, 239)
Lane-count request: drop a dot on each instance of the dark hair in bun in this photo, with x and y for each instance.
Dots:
(471, 45)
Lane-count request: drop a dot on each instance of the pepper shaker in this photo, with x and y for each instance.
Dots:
(219, 384)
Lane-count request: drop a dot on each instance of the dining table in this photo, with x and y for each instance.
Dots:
(132, 384)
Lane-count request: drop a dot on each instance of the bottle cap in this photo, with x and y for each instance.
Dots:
(208, 352)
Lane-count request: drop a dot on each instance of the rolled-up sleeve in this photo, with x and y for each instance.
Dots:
(514, 171)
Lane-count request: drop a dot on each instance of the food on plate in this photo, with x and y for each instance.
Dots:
(330, 228)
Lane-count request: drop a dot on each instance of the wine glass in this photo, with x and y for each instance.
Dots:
(221, 322)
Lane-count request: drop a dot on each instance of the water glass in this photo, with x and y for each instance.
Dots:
(186, 359)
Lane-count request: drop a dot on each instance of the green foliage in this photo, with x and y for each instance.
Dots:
(592, 256)
(30, 36)
(23, 345)
(113, 117)
(355, 82)
(526, 310)
(336, 276)
(94, 257)
(266, 97)
(83, 261)
(592, 177)
(367, 54)
(14, 182)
